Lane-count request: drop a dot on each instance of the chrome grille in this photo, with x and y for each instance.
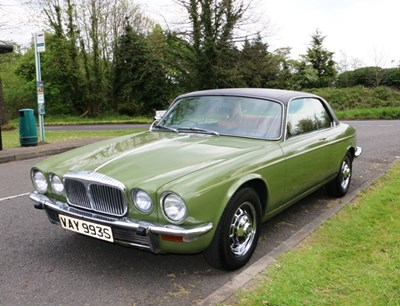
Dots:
(77, 194)
(103, 196)
(95, 192)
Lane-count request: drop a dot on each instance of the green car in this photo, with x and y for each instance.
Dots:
(204, 177)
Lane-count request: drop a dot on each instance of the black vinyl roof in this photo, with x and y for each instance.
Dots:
(283, 96)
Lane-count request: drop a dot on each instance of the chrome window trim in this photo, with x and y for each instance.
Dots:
(282, 127)
(334, 121)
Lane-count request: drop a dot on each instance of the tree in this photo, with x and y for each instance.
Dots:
(304, 75)
(367, 77)
(258, 66)
(18, 92)
(321, 60)
(61, 63)
(139, 77)
(392, 78)
(77, 64)
(173, 54)
(286, 68)
(347, 63)
(62, 76)
(211, 36)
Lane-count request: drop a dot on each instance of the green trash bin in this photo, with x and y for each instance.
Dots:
(27, 128)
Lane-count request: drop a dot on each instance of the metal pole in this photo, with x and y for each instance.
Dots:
(39, 79)
(1, 140)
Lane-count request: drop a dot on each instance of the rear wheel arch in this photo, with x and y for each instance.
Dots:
(340, 185)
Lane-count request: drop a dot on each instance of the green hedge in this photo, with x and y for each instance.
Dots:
(360, 97)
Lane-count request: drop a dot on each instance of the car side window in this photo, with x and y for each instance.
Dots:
(306, 115)
(323, 119)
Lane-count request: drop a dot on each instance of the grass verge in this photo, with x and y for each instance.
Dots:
(105, 119)
(374, 113)
(11, 138)
(353, 259)
(370, 113)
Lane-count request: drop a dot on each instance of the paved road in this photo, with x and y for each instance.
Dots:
(41, 264)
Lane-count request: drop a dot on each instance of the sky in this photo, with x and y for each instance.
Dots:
(359, 32)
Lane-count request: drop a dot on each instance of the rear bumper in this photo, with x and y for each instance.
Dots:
(139, 234)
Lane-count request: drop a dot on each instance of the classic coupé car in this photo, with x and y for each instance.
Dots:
(205, 175)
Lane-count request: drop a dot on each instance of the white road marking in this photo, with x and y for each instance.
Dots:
(14, 196)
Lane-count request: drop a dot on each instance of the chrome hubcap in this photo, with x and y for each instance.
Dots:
(346, 174)
(242, 229)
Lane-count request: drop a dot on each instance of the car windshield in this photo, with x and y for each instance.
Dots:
(225, 115)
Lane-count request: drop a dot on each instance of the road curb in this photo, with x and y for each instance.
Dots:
(226, 293)
(23, 153)
(36, 154)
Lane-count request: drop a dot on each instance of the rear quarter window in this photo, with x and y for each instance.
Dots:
(307, 115)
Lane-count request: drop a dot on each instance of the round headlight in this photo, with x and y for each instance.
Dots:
(56, 184)
(173, 207)
(39, 181)
(142, 200)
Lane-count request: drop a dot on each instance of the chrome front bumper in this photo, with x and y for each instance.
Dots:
(143, 234)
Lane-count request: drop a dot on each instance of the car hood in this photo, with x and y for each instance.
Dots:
(153, 158)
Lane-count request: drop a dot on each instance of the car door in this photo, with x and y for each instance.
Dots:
(306, 146)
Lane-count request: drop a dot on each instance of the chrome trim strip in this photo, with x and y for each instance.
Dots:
(94, 177)
(326, 105)
(172, 105)
(188, 234)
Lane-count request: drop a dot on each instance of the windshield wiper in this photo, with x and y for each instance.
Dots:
(195, 129)
(166, 128)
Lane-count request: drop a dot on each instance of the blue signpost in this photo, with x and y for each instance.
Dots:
(39, 48)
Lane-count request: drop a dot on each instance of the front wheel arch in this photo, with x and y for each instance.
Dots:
(237, 233)
(261, 189)
(254, 181)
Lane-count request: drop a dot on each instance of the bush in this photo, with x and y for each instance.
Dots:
(359, 97)
(130, 108)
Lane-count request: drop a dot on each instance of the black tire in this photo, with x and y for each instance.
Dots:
(339, 186)
(237, 234)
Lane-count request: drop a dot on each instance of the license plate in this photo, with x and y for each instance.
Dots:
(87, 228)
